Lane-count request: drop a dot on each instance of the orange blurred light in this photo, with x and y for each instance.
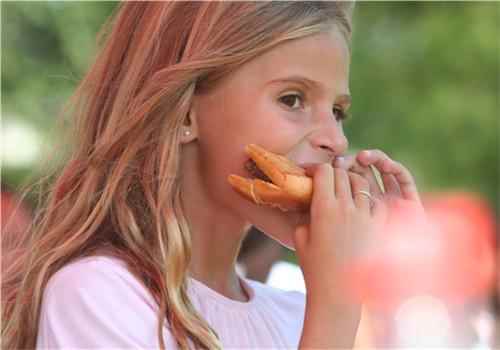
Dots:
(449, 253)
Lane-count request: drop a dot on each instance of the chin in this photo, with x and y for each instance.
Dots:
(273, 222)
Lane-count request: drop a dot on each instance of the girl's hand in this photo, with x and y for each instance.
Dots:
(340, 223)
(397, 180)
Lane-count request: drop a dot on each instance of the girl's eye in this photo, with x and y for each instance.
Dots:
(340, 114)
(293, 100)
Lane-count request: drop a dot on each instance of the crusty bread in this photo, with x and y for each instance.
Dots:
(291, 188)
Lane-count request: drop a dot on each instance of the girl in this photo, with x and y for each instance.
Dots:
(138, 243)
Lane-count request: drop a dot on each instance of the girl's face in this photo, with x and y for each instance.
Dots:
(290, 101)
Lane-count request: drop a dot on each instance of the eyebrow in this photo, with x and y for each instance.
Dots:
(344, 98)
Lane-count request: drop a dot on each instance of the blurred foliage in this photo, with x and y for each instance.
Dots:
(424, 80)
(425, 83)
(46, 49)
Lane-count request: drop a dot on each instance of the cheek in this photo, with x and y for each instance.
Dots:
(223, 134)
(273, 127)
(226, 126)
(228, 123)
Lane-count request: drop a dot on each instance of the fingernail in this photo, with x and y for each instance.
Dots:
(339, 160)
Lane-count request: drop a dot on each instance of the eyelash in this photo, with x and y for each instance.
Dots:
(340, 113)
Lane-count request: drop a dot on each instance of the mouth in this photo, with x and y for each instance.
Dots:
(255, 172)
(270, 167)
(275, 180)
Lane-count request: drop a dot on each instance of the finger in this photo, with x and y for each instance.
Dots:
(368, 157)
(404, 179)
(391, 185)
(310, 168)
(406, 182)
(342, 185)
(359, 183)
(345, 162)
(369, 175)
(375, 158)
(323, 185)
(379, 214)
(301, 237)
(350, 163)
(386, 165)
(323, 200)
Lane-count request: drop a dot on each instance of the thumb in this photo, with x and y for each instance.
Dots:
(300, 237)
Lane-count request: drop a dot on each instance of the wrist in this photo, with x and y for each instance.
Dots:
(330, 325)
(334, 296)
(333, 304)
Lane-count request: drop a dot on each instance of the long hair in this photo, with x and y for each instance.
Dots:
(119, 193)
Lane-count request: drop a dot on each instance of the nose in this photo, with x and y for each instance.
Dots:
(329, 137)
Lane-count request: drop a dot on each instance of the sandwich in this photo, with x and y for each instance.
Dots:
(278, 182)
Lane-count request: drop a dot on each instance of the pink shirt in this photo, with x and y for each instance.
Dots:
(95, 302)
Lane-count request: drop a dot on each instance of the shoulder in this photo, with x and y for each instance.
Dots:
(97, 302)
(85, 271)
(89, 270)
(96, 276)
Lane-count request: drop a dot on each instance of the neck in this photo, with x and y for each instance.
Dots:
(216, 237)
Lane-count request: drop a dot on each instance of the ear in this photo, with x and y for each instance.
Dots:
(189, 131)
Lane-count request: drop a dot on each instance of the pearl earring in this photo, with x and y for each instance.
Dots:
(187, 132)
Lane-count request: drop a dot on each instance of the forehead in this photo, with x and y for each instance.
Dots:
(321, 57)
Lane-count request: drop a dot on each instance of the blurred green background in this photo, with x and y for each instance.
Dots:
(424, 79)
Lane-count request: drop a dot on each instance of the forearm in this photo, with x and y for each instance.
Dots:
(329, 327)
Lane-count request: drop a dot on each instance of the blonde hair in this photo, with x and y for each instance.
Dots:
(119, 193)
